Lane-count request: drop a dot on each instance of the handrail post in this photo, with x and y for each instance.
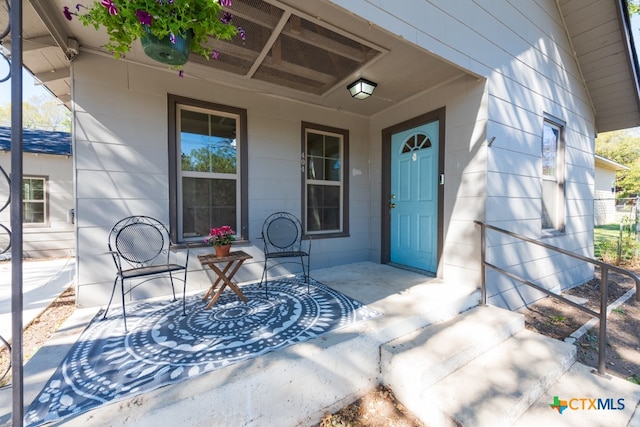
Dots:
(483, 272)
(602, 344)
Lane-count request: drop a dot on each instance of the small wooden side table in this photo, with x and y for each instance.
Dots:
(223, 275)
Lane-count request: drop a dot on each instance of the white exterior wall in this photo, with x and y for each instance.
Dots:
(464, 169)
(522, 49)
(522, 55)
(120, 141)
(605, 202)
(55, 239)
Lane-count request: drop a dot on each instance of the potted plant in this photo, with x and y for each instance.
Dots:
(221, 238)
(168, 29)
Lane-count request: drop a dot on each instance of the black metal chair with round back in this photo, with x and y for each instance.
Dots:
(282, 236)
(141, 249)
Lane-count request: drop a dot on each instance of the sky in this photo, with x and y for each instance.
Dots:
(29, 88)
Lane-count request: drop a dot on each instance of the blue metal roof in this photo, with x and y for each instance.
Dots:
(38, 141)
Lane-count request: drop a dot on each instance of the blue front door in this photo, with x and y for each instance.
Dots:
(414, 197)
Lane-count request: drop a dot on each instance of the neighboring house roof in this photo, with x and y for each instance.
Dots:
(38, 141)
(605, 163)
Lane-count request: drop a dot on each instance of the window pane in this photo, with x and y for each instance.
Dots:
(323, 157)
(332, 170)
(33, 212)
(207, 203)
(207, 142)
(332, 147)
(549, 203)
(553, 198)
(33, 189)
(315, 168)
(549, 149)
(315, 144)
(323, 207)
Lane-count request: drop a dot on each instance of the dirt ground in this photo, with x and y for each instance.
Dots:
(379, 408)
(39, 331)
(558, 320)
(548, 317)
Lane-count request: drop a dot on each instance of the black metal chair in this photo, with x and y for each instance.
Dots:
(141, 249)
(282, 236)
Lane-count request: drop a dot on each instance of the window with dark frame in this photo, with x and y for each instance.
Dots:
(325, 181)
(207, 152)
(553, 197)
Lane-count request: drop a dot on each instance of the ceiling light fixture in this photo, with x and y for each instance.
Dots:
(361, 88)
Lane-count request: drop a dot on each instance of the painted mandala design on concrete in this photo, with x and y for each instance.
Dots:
(164, 347)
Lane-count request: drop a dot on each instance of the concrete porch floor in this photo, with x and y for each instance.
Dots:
(297, 385)
(311, 377)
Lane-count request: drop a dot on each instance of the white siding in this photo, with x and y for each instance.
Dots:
(522, 49)
(121, 160)
(604, 202)
(55, 239)
(518, 47)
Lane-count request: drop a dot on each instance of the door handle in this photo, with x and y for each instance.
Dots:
(392, 205)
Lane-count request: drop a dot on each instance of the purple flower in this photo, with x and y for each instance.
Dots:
(79, 5)
(144, 17)
(226, 3)
(215, 54)
(67, 13)
(172, 38)
(226, 18)
(243, 34)
(113, 10)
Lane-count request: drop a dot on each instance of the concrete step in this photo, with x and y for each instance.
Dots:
(413, 362)
(497, 387)
(614, 402)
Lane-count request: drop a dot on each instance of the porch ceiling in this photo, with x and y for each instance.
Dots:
(311, 50)
(603, 44)
(288, 52)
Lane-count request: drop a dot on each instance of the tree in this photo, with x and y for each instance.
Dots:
(39, 112)
(622, 146)
(634, 6)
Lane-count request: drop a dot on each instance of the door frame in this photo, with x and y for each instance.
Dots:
(439, 114)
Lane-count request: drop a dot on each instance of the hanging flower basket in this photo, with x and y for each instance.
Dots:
(165, 50)
(165, 20)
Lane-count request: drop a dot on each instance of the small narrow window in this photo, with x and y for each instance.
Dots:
(325, 151)
(553, 198)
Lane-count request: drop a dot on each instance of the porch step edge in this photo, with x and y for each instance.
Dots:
(425, 356)
(500, 385)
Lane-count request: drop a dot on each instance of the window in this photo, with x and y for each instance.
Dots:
(325, 181)
(207, 152)
(34, 200)
(552, 175)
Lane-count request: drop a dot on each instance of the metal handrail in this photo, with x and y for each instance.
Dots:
(604, 267)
